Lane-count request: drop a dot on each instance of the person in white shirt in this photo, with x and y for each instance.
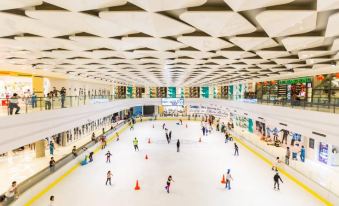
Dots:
(229, 178)
(12, 192)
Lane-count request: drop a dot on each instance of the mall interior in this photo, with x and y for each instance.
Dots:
(80, 79)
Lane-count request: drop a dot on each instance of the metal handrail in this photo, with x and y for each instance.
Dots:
(42, 103)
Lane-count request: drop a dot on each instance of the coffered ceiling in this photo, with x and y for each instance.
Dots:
(169, 42)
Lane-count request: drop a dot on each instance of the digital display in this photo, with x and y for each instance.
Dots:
(172, 101)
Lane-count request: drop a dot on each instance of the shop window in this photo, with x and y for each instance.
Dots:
(311, 143)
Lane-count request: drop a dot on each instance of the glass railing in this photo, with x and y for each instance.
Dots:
(28, 105)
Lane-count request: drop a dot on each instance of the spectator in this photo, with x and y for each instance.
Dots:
(54, 92)
(287, 156)
(74, 151)
(48, 101)
(302, 154)
(34, 100)
(13, 103)
(52, 165)
(51, 148)
(63, 96)
(12, 192)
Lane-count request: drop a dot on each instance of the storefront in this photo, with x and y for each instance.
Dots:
(10, 85)
(326, 89)
(299, 89)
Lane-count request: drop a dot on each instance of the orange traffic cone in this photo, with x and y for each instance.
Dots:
(146, 157)
(149, 140)
(200, 139)
(223, 181)
(137, 187)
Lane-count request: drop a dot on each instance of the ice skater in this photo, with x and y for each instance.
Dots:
(108, 157)
(170, 135)
(167, 138)
(276, 164)
(229, 178)
(117, 136)
(135, 144)
(131, 127)
(109, 178)
(163, 126)
(226, 137)
(276, 179)
(236, 149)
(168, 183)
(91, 156)
(178, 145)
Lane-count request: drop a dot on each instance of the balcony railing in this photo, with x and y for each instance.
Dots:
(28, 105)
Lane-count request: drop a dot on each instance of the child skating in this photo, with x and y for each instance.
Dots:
(168, 183)
(109, 178)
(108, 157)
(135, 144)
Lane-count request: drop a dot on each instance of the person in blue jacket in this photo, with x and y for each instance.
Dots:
(51, 148)
(302, 154)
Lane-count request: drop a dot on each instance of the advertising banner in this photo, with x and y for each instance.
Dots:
(172, 101)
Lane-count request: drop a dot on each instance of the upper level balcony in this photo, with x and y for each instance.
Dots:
(37, 104)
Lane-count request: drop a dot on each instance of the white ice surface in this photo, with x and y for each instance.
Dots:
(197, 171)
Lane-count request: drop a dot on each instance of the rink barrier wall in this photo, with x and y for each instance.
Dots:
(76, 165)
(284, 172)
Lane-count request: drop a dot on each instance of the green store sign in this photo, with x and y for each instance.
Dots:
(295, 81)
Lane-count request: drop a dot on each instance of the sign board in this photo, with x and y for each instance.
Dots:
(172, 101)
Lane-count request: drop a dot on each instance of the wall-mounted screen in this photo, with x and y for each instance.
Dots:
(172, 101)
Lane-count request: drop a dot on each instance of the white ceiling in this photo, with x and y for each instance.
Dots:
(169, 42)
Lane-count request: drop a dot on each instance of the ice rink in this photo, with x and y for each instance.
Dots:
(197, 171)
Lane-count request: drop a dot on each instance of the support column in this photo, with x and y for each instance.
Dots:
(63, 139)
(38, 89)
(40, 148)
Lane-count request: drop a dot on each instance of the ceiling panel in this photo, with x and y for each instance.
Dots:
(153, 24)
(275, 23)
(218, 23)
(205, 43)
(14, 4)
(241, 5)
(165, 5)
(79, 22)
(83, 5)
(253, 43)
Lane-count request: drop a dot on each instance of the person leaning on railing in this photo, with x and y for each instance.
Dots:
(13, 103)
(48, 101)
